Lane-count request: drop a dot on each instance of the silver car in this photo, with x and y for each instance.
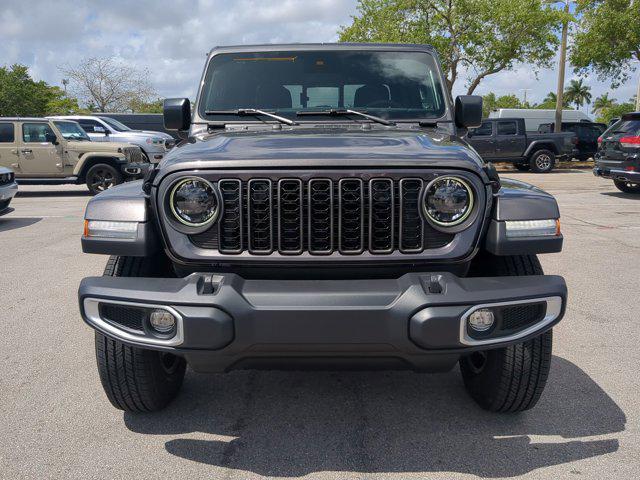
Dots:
(8, 189)
(154, 145)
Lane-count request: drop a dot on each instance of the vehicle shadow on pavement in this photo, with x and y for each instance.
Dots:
(53, 193)
(630, 196)
(295, 423)
(13, 223)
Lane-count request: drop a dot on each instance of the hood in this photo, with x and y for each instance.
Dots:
(97, 146)
(149, 133)
(325, 147)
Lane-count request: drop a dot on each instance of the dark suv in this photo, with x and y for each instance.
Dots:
(618, 157)
(587, 134)
(323, 212)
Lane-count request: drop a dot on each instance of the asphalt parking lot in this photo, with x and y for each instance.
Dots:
(55, 421)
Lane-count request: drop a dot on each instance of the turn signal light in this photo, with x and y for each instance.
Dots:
(106, 229)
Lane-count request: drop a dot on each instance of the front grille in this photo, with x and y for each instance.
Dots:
(133, 155)
(321, 216)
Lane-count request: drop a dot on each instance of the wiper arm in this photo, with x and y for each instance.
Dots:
(337, 112)
(251, 111)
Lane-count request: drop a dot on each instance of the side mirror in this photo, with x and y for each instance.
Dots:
(100, 130)
(51, 138)
(468, 111)
(177, 114)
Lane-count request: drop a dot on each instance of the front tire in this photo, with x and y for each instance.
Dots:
(509, 379)
(136, 379)
(101, 177)
(542, 161)
(627, 187)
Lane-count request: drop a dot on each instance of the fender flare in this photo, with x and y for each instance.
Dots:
(124, 203)
(521, 201)
(540, 145)
(92, 158)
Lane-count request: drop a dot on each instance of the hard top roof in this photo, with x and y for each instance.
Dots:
(274, 47)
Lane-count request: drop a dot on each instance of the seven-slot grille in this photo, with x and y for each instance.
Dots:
(321, 216)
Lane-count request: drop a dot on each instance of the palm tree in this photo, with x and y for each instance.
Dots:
(578, 93)
(552, 99)
(602, 102)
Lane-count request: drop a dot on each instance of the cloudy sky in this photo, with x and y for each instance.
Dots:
(171, 38)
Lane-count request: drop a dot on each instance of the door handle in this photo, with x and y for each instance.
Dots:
(26, 150)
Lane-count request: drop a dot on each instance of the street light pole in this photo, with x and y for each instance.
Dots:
(638, 95)
(561, 70)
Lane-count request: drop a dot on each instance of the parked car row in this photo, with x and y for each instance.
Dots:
(154, 145)
(99, 152)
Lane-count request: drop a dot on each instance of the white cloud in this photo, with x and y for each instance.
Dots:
(171, 38)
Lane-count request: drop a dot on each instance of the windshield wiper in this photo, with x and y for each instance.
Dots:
(337, 112)
(251, 111)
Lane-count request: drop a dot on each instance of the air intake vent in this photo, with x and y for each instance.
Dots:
(320, 216)
(381, 215)
(351, 215)
(230, 224)
(260, 213)
(130, 318)
(516, 317)
(290, 223)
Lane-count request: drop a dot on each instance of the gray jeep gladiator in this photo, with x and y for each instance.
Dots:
(323, 212)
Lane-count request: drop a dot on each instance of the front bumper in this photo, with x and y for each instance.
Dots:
(7, 192)
(417, 320)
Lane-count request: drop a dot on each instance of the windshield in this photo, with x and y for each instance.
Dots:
(392, 85)
(115, 124)
(71, 131)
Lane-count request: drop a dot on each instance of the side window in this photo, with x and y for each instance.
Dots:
(37, 133)
(483, 130)
(507, 128)
(7, 133)
(89, 125)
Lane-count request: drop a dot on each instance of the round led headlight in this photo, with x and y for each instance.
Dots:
(448, 201)
(193, 202)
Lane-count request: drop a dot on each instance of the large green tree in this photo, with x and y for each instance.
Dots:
(482, 37)
(615, 111)
(491, 101)
(607, 39)
(20, 95)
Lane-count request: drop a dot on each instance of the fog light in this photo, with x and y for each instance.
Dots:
(481, 320)
(162, 321)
